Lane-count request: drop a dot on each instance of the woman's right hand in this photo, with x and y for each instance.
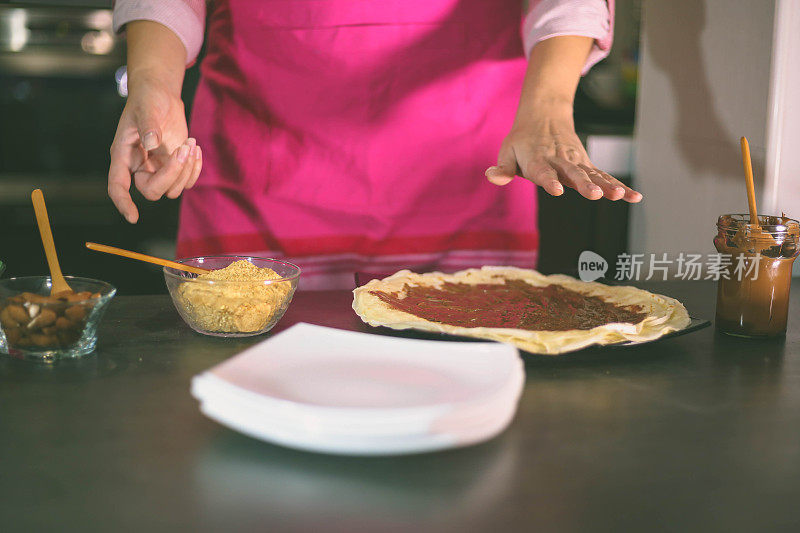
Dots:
(151, 148)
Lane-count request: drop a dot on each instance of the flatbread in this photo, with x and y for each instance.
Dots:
(663, 314)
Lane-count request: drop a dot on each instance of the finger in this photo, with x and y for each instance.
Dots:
(573, 176)
(153, 186)
(126, 147)
(630, 195)
(545, 176)
(149, 127)
(186, 172)
(612, 189)
(503, 173)
(198, 166)
(119, 184)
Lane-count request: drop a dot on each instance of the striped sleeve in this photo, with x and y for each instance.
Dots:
(553, 18)
(187, 18)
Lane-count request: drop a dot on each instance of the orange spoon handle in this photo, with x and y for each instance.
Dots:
(143, 257)
(59, 284)
(748, 175)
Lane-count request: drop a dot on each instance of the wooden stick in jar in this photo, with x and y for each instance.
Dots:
(748, 175)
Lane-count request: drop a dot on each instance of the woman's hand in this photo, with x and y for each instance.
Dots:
(544, 149)
(542, 146)
(151, 148)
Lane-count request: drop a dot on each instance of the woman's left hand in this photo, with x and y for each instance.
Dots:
(544, 149)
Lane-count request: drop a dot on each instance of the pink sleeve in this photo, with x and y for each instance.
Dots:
(187, 18)
(589, 18)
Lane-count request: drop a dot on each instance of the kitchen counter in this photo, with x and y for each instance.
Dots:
(699, 432)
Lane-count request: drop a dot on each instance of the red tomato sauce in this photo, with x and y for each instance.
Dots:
(512, 304)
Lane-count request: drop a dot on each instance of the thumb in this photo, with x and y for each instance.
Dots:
(505, 170)
(149, 129)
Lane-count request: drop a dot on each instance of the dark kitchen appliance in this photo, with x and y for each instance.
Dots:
(60, 101)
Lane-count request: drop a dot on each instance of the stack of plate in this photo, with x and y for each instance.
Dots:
(333, 391)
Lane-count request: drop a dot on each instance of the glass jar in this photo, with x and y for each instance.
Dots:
(754, 282)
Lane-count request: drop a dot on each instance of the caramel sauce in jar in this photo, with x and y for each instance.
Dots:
(753, 291)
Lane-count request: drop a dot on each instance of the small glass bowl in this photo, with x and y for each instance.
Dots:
(46, 330)
(231, 308)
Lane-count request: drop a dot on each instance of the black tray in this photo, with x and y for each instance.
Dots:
(696, 324)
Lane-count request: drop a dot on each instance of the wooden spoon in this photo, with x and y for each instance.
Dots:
(59, 285)
(761, 240)
(146, 258)
(748, 175)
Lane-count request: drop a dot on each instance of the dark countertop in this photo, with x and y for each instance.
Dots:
(700, 432)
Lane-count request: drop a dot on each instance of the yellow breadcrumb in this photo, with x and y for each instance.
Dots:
(235, 307)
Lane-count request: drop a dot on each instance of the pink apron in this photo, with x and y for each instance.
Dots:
(352, 136)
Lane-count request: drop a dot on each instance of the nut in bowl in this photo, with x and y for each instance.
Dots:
(37, 326)
(240, 296)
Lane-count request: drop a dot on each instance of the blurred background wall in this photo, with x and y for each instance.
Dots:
(704, 80)
(782, 168)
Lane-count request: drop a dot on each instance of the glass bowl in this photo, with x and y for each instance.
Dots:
(231, 308)
(35, 326)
